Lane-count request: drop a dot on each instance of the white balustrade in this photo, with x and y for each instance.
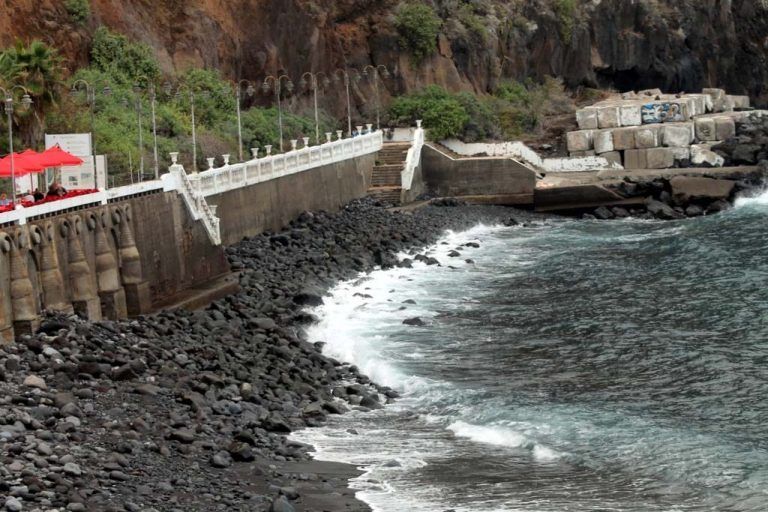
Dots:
(413, 158)
(194, 188)
(257, 170)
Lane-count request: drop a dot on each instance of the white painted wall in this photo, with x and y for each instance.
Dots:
(522, 153)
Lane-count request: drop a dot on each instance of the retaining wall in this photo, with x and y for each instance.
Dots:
(272, 204)
(488, 180)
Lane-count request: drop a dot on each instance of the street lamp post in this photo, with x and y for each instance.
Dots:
(153, 101)
(337, 75)
(376, 75)
(276, 86)
(90, 99)
(26, 102)
(314, 84)
(169, 89)
(250, 91)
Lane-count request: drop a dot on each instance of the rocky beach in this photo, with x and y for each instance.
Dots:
(190, 410)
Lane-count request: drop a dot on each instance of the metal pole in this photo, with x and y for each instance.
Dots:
(194, 134)
(239, 124)
(141, 138)
(9, 111)
(279, 113)
(92, 105)
(317, 118)
(154, 133)
(378, 104)
(349, 105)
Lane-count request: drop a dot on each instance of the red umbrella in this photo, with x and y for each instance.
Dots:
(56, 157)
(22, 164)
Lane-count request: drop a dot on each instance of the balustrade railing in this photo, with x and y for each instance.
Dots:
(233, 176)
(194, 188)
(413, 158)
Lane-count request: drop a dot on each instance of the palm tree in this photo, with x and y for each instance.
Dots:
(38, 68)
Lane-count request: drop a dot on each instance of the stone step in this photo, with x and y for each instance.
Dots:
(387, 194)
(398, 167)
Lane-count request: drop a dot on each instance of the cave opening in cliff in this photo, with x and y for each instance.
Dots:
(630, 79)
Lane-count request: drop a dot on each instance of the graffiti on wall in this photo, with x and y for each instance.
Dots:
(654, 113)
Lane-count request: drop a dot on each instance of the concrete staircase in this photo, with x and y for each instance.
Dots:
(385, 180)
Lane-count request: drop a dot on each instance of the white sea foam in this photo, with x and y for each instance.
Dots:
(760, 199)
(498, 436)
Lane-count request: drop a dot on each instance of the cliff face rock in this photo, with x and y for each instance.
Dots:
(626, 44)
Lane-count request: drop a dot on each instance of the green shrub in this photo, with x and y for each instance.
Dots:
(443, 115)
(565, 10)
(124, 60)
(418, 26)
(79, 10)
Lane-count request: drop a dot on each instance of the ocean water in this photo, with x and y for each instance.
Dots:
(575, 366)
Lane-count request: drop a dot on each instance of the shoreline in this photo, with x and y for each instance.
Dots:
(148, 414)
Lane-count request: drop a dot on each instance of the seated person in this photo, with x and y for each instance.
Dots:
(4, 201)
(39, 196)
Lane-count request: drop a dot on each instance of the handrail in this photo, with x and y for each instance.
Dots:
(196, 203)
(413, 158)
(234, 176)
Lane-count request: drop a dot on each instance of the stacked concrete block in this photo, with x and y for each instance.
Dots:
(613, 157)
(608, 117)
(740, 101)
(623, 138)
(635, 159)
(705, 129)
(718, 98)
(725, 128)
(586, 118)
(659, 158)
(603, 141)
(647, 137)
(678, 135)
(631, 115)
(702, 154)
(579, 141)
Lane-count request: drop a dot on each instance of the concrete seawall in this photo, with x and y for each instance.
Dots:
(270, 205)
(143, 252)
(492, 180)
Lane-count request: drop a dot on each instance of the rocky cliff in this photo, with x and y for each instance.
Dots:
(624, 44)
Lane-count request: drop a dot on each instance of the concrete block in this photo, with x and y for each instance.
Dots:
(681, 153)
(740, 101)
(138, 298)
(715, 94)
(725, 128)
(636, 159)
(705, 129)
(631, 115)
(678, 135)
(660, 158)
(26, 327)
(113, 305)
(693, 189)
(649, 92)
(703, 103)
(580, 154)
(728, 104)
(579, 141)
(89, 309)
(623, 138)
(646, 138)
(613, 157)
(702, 154)
(603, 141)
(608, 117)
(587, 118)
